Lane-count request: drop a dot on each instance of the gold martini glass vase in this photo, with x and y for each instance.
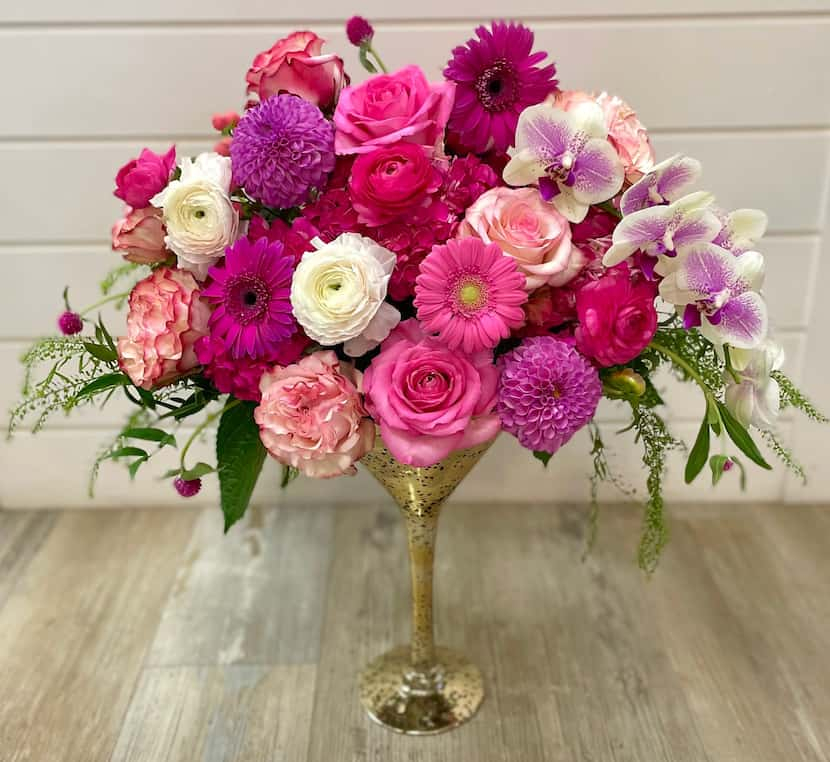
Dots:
(421, 689)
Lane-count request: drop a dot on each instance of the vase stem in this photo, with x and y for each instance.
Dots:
(421, 533)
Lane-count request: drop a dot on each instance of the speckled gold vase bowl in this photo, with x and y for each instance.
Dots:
(421, 689)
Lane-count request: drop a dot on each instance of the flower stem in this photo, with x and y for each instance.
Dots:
(105, 300)
(378, 59)
(201, 427)
(681, 363)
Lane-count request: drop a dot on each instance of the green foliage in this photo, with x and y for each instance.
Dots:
(741, 437)
(542, 456)
(791, 396)
(784, 454)
(695, 351)
(289, 473)
(699, 453)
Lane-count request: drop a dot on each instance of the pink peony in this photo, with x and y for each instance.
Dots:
(295, 65)
(389, 108)
(311, 416)
(139, 236)
(429, 400)
(617, 318)
(528, 229)
(166, 317)
(142, 178)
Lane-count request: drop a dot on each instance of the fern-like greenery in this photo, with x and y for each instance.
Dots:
(784, 454)
(694, 350)
(791, 396)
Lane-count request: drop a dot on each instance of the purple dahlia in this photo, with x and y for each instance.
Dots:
(496, 79)
(547, 392)
(281, 150)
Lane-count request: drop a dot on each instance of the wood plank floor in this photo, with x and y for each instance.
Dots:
(147, 636)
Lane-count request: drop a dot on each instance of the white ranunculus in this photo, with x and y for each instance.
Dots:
(338, 290)
(198, 214)
(755, 399)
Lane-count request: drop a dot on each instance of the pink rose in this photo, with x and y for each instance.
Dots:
(388, 108)
(430, 401)
(617, 318)
(165, 319)
(388, 184)
(528, 229)
(311, 416)
(139, 235)
(295, 65)
(142, 178)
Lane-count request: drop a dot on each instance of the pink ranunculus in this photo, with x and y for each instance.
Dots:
(166, 317)
(430, 401)
(389, 108)
(295, 65)
(139, 236)
(311, 416)
(528, 229)
(142, 178)
(617, 318)
(394, 183)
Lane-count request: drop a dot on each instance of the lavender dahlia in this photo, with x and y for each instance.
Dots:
(281, 150)
(547, 392)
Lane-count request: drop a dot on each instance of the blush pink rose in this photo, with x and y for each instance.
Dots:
(430, 401)
(295, 65)
(389, 108)
(166, 317)
(142, 178)
(616, 318)
(311, 416)
(525, 227)
(139, 236)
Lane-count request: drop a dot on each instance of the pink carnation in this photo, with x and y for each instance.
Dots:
(311, 416)
(142, 178)
(296, 237)
(467, 178)
(139, 236)
(166, 317)
(332, 214)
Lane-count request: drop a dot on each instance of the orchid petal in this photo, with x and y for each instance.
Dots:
(744, 228)
(743, 322)
(571, 208)
(750, 269)
(544, 129)
(598, 173)
(588, 117)
(693, 201)
(706, 270)
(679, 174)
(698, 226)
(523, 169)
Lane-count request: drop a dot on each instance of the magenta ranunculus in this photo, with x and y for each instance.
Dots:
(142, 178)
(389, 108)
(139, 236)
(393, 183)
(429, 400)
(617, 318)
(311, 416)
(166, 317)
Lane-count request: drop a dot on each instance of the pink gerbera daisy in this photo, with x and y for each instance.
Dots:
(251, 291)
(470, 294)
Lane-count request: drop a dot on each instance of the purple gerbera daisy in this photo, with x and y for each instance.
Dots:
(496, 79)
(281, 150)
(251, 291)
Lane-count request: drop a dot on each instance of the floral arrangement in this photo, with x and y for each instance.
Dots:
(436, 260)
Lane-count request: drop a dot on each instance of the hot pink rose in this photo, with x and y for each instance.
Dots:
(311, 416)
(388, 108)
(295, 65)
(142, 178)
(165, 319)
(428, 400)
(617, 318)
(528, 229)
(393, 183)
(139, 236)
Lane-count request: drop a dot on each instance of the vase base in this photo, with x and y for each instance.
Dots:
(416, 704)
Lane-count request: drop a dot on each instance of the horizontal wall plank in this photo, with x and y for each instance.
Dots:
(713, 73)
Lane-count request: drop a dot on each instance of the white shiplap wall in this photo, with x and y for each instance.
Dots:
(743, 85)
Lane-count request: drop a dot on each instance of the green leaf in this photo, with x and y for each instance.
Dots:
(147, 398)
(716, 463)
(124, 452)
(100, 352)
(742, 472)
(198, 471)
(741, 437)
(712, 415)
(699, 453)
(150, 435)
(134, 466)
(542, 456)
(239, 456)
(289, 473)
(102, 383)
(171, 474)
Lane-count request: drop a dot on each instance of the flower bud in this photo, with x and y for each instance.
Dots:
(624, 384)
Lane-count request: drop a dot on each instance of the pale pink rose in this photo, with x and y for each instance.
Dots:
(165, 319)
(311, 416)
(139, 236)
(296, 65)
(525, 227)
(388, 108)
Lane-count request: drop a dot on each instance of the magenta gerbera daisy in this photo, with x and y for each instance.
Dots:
(470, 294)
(251, 291)
(496, 78)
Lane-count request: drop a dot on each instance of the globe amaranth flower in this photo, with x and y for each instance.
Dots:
(547, 392)
(281, 150)
(359, 31)
(251, 292)
(70, 323)
(470, 294)
(496, 77)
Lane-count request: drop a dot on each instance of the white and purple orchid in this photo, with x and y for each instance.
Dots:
(741, 230)
(754, 398)
(719, 294)
(666, 182)
(567, 154)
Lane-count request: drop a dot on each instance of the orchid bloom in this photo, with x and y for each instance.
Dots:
(666, 182)
(568, 155)
(754, 399)
(719, 294)
(664, 230)
(741, 230)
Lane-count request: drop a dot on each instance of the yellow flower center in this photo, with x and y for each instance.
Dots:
(470, 294)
